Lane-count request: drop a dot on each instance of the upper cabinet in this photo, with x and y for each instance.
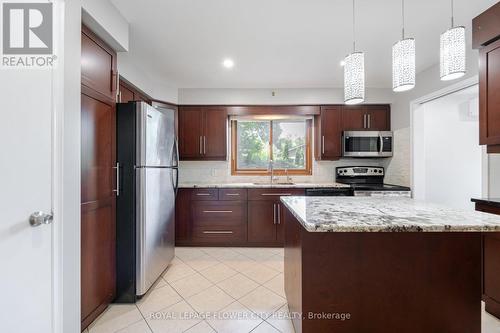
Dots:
(366, 118)
(328, 133)
(128, 93)
(203, 133)
(334, 119)
(485, 35)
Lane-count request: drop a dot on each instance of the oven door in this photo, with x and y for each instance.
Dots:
(367, 144)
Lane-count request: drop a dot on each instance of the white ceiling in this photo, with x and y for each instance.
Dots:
(282, 43)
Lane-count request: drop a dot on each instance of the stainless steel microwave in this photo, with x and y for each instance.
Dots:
(367, 144)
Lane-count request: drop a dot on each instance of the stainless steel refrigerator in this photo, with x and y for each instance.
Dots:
(147, 155)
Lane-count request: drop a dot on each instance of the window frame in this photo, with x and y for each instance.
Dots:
(307, 171)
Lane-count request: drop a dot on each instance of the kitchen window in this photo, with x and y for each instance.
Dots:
(257, 141)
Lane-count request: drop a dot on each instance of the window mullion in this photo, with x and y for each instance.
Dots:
(271, 156)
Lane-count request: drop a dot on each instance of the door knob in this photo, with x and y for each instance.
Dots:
(39, 218)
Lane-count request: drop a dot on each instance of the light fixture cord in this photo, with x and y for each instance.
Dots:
(403, 18)
(452, 15)
(353, 28)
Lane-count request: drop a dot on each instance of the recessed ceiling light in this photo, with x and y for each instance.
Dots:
(228, 63)
(342, 63)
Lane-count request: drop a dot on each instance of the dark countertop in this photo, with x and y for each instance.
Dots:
(495, 202)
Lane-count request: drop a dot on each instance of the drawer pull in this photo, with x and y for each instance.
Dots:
(232, 194)
(269, 194)
(203, 194)
(218, 211)
(218, 232)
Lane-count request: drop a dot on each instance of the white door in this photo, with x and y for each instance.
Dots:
(26, 304)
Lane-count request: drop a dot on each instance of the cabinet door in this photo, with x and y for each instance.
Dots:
(280, 224)
(354, 118)
(126, 95)
(98, 205)
(183, 226)
(331, 132)
(190, 132)
(379, 118)
(262, 221)
(215, 133)
(489, 96)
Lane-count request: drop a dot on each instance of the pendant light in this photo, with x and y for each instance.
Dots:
(452, 64)
(354, 71)
(403, 60)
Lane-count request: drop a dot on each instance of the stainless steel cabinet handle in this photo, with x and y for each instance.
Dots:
(204, 145)
(217, 211)
(279, 213)
(232, 194)
(274, 213)
(218, 232)
(201, 148)
(364, 120)
(369, 121)
(203, 194)
(323, 144)
(280, 194)
(117, 167)
(39, 218)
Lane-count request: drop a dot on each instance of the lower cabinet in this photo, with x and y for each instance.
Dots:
(491, 265)
(231, 217)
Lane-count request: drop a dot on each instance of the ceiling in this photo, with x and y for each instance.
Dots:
(282, 43)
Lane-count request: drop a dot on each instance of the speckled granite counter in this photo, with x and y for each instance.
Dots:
(358, 214)
(262, 185)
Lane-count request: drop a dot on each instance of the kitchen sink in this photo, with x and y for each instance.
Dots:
(275, 183)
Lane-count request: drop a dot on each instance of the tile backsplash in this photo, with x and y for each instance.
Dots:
(220, 172)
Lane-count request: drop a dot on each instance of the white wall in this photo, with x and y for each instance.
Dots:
(282, 96)
(494, 175)
(427, 82)
(69, 146)
(447, 155)
(102, 17)
(138, 73)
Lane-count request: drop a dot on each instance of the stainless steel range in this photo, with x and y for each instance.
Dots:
(369, 182)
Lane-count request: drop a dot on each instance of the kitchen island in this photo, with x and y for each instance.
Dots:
(383, 265)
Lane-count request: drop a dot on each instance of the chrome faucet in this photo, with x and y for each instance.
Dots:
(270, 169)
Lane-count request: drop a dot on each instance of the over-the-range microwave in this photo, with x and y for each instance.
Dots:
(367, 144)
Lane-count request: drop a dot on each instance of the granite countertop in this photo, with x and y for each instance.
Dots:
(262, 185)
(388, 214)
(487, 201)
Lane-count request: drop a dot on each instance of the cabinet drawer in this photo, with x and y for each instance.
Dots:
(237, 194)
(222, 235)
(220, 213)
(204, 194)
(273, 193)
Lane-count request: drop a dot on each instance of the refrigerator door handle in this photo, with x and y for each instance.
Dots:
(175, 153)
(117, 190)
(175, 181)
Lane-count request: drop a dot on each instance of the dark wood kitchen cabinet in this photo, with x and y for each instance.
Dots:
(98, 157)
(328, 133)
(485, 36)
(366, 118)
(491, 264)
(334, 119)
(265, 215)
(230, 216)
(203, 133)
(129, 93)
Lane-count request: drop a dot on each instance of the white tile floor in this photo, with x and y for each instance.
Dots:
(243, 287)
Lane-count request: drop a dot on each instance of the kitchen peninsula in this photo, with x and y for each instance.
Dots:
(383, 265)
